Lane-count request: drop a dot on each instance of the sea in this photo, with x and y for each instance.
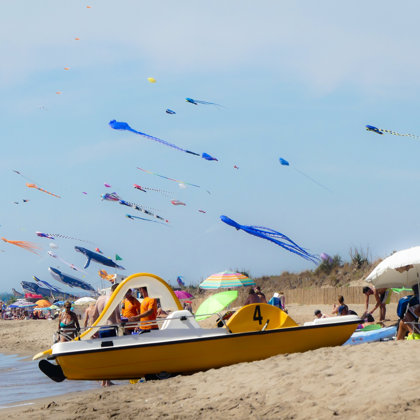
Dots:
(21, 382)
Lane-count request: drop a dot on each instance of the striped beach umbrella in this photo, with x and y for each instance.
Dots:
(226, 279)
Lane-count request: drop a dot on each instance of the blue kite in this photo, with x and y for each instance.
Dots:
(120, 125)
(94, 256)
(273, 236)
(284, 162)
(196, 102)
(70, 280)
(382, 131)
(131, 217)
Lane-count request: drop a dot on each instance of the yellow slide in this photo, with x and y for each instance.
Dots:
(156, 288)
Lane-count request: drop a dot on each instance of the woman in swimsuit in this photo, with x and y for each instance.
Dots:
(68, 324)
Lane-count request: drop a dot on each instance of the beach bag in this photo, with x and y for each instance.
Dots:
(404, 303)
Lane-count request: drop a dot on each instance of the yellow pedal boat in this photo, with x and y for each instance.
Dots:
(182, 346)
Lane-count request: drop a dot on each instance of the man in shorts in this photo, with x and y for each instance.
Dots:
(382, 297)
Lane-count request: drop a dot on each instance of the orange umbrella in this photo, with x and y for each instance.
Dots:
(43, 303)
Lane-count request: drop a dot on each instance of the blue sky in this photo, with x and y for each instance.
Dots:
(297, 80)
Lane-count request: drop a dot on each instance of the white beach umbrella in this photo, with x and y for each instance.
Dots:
(401, 269)
(84, 301)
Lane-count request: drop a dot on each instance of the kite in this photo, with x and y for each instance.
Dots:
(111, 197)
(284, 162)
(58, 92)
(151, 79)
(326, 258)
(273, 236)
(66, 68)
(235, 167)
(170, 112)
(145, 189)
(84, 192)
(131, 217)
(100, 259)
(107, 185)
(208, 157)
(120, 125)
(183, 183)
(47, 285)
(139, 187)
(202, 211)
(178, 203)
(196, 102)
(98, 250)
(110, 277)
(44, 235)
(59, 235)
(54, 255)
(31, 183)
(29, 246)
(77, 39)
(69, 280)
(180, 281)
(41, 189)
(142, 209)
(117, 258)
(382, 131)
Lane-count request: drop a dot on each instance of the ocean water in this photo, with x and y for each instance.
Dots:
(21, 381)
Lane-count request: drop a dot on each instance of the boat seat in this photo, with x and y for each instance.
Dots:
(180, 320)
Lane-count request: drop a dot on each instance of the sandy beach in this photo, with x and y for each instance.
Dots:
(374, 380)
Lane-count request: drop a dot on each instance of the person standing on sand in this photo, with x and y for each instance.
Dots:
(68, 323)
(113, 319)
(381, 296)
(89, 315)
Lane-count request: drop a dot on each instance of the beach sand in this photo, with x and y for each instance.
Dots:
(368, 381)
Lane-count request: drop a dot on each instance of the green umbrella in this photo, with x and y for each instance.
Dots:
(215, 303)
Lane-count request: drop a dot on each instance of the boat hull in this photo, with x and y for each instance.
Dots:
(196, 353)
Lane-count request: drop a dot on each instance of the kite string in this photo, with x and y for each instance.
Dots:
(313, 180)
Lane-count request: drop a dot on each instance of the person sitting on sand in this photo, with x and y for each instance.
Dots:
(252, 297)
(275, 301)
(382, 297)
(318, 314)
(68, 323)
(260, 294)
(410, 324)
(342, 307)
